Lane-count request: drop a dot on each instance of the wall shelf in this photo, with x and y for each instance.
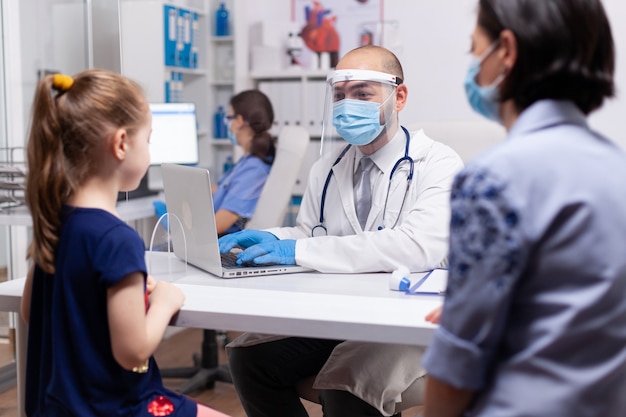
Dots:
(289, 74)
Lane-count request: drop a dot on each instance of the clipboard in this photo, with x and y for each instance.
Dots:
(433, 283)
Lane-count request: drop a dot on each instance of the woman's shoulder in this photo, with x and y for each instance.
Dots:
(254, 163)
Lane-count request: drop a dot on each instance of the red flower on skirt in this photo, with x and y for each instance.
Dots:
(161, 406)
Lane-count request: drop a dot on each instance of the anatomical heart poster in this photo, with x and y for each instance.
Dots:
(330, 28)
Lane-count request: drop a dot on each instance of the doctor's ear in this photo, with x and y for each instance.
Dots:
(402, 93)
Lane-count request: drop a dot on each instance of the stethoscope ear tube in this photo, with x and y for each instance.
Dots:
(325, 189)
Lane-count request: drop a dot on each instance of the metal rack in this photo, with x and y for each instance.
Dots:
(12, 177)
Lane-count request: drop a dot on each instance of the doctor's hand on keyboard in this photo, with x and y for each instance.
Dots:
(229, 260)
(244, 239)
(278, 252)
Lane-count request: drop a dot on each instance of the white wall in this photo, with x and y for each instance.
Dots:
(434, 54)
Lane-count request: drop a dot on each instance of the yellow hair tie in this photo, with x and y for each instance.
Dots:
(62, 82)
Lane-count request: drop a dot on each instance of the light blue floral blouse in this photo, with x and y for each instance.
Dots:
(534, 318)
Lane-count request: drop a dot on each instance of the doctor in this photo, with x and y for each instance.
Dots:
(409, 217)
(404, 220)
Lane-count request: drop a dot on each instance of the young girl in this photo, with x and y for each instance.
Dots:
(95, 317)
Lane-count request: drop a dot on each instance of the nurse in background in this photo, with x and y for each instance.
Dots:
(534, 319)
(249, 118)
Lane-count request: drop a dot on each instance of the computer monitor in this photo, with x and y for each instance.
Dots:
(174, 137)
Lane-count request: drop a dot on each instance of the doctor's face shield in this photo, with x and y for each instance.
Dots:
(359, 106)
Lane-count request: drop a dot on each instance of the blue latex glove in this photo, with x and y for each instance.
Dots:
(159, 210)
(278, 252)
(244, 239)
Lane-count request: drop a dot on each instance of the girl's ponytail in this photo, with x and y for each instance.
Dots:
(47, 183)
(72, 119)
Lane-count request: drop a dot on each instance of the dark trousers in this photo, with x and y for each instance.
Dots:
(265, 377)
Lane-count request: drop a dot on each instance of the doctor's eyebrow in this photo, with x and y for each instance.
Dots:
(363, 90)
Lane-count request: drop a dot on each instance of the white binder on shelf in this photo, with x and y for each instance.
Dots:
(291, 96)
(316, 96)
(271, 91)
(180, 38)
(195, 40)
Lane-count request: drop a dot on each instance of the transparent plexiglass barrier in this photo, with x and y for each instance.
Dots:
(161, 242)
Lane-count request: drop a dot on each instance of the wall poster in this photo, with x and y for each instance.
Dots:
(329, 29)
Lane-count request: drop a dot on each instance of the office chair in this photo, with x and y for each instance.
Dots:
(205, 370)
(270, 210)
(291, 147)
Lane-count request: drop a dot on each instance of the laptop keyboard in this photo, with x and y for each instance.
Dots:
(229, 260)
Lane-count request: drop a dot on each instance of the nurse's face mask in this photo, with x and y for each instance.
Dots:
(359, 104)
(228, 122)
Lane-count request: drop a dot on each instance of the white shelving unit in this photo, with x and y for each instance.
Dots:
(222, 64)
(143, 27)
(221, 87)
(297, 96)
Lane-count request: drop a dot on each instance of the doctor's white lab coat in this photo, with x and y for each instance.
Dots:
(420, 239)
(419, 242)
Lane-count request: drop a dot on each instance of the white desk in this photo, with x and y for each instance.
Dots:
(340, 306)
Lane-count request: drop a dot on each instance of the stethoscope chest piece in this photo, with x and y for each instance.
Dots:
(319, 230)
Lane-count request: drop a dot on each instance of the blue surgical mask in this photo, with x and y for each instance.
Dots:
(357, 121)
(484, 100)
(230, 134)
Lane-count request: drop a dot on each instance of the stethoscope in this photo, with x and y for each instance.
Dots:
(320, 229)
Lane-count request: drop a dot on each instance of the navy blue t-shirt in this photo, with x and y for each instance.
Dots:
(71, 370)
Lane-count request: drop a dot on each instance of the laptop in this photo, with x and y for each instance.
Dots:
(192, 224)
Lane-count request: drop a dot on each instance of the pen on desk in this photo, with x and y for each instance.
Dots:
(420, 282)
(438, 293)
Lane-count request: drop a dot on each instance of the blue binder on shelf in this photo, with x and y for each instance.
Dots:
(167, 93)
(184, 41)
(170, 35)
